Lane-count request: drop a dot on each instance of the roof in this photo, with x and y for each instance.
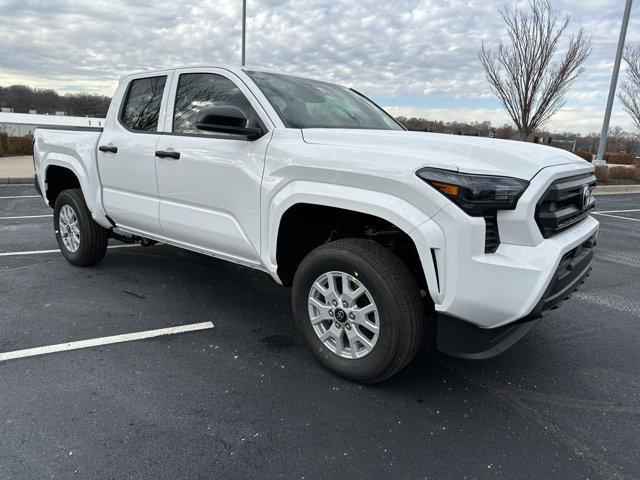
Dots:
(232, 68)
(32, 119)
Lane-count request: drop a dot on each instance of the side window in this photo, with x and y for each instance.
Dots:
(142, 105)
(199, 90)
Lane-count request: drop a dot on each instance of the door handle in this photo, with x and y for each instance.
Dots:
(108, 148)
(167, 154)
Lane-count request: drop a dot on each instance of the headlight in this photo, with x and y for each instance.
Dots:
(477, 195)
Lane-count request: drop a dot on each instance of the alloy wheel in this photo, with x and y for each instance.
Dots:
(344, 315)
(69, 228)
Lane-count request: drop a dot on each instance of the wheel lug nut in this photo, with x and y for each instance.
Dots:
(347, 326)
(335, 303)
(331, 313)
(345, 304)
(352, 316)
(337, 324)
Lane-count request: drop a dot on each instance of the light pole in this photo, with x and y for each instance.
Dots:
(614, 83)
(244, 28)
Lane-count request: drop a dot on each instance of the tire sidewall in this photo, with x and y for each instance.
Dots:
(378, 360)
(68, 198)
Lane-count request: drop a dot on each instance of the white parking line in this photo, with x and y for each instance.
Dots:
(618, 211)
(25, 216)
(38, 252)
(21, 196)
(127, 337)
(617, 216)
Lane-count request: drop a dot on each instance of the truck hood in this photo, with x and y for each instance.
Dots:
(479, 155)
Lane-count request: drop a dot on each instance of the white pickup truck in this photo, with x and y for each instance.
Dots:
(379, 231)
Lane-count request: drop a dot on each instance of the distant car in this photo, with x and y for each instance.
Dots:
(378, 230)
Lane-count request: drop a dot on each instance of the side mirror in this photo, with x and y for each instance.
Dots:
(226, 119)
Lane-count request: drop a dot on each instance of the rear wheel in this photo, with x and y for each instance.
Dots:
(81, 240)
(359, 309)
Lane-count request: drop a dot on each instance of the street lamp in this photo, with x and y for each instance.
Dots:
(614, 83)
(244, 28)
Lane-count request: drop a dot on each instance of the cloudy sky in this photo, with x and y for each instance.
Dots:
(415, 57)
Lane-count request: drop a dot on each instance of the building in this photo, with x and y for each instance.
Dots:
(21, 124)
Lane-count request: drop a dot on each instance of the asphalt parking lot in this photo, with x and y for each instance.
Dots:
(245, 399)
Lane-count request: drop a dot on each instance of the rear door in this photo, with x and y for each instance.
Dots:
(210, 195)
(126, 152)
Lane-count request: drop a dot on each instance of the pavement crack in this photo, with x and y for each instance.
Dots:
(10, 269)
(135, 294)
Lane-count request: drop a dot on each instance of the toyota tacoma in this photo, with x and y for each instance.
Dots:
(387, 238)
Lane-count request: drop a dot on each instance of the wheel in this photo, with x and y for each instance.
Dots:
(81, 240)
(359, 309)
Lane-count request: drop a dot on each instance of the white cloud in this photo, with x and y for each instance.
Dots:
(418, 49)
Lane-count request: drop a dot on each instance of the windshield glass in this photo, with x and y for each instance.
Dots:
(304, 103)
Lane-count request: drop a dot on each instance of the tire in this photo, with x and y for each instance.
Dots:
(90, 245)
(398, 310)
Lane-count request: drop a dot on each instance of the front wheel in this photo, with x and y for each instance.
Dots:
(81, 240)
(359, 309)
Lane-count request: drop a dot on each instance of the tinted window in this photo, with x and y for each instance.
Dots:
(142, 107)
(199, 90)
(305, 103)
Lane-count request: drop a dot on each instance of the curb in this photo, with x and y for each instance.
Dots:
(16, 180)
(616, 189)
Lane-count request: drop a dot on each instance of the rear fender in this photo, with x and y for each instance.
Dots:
(75, 151)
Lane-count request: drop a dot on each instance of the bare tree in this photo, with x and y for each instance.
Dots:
(85, 104)
(629, 94)
(525, 73)
(22, 99)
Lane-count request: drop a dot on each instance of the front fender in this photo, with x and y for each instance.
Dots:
(416, 223)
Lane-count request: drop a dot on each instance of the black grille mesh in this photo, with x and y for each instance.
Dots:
(562, 205)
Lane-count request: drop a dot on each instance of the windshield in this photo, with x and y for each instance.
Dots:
(304, 103)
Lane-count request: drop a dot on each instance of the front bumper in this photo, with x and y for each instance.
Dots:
(459, 338)
(492, 290)
(484, 301)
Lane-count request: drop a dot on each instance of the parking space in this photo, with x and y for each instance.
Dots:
(21, 200)
(245, 398)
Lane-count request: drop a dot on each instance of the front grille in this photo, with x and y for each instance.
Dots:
(564, 204)
(492, 235)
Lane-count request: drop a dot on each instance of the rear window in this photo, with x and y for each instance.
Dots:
(142, 104)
